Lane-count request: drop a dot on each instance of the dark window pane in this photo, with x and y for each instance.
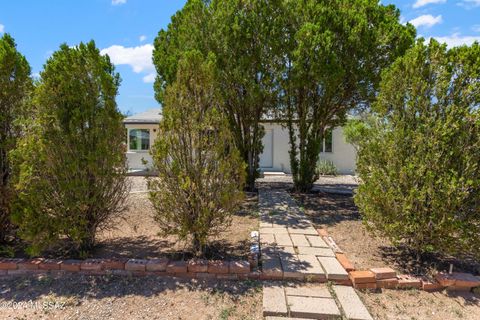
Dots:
(145, 134)
(139, 139)
(328, 140)
(133, 140)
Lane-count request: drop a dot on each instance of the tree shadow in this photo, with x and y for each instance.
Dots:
(83, 287)
(328, 209)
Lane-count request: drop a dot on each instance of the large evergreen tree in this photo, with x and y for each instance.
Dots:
(15, 87)
(335, 51)
(420, 162)
(200, 172)
(72, 158)
(244, 36)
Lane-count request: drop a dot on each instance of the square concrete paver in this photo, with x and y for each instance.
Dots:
(283, 240)
(299, 240)
(285, 250)
(318, 291)
(312, 307)
(317, 241)
(352, 306)
(274, 302)
(333, 268)
(267, 239)
(323, 252)
(307, 230)
(291, 267)
(273, 230)
(311, 267)
(272, 268)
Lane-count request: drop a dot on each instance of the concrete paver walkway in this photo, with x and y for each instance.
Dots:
(290, 246)
(291, 249)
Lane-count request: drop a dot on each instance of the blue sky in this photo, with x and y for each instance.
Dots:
(125, 29)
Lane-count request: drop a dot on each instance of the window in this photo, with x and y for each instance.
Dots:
(139, 139)
(327, 141)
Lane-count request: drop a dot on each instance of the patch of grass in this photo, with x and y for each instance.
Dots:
(226, 313)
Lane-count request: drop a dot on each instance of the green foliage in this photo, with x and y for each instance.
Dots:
(420, 164)
(72, 155)
(200, 172)
(356, 130)
(334, 53)
(326, 168)
(246, 38)
(15, 88)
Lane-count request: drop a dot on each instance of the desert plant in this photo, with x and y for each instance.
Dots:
(200, 172)
(72, 157)
(420, 163)
(15, 87)
(326, 168)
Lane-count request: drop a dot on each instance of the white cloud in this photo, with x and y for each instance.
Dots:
(421, 3)
(426, 20)
(117, 2)
(143, 38)
(456, 40)
(468, 4)
(139, 58)
(2, 28)
(149, 78)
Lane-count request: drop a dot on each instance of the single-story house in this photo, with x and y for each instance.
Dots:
(142, 129)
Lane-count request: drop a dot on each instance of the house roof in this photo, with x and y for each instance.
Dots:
(151, 116)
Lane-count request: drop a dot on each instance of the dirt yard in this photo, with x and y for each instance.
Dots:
(136, 234)
(339, 215)
(123, 298)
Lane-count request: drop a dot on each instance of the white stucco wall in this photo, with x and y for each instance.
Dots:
(343, 155)
(134, 158)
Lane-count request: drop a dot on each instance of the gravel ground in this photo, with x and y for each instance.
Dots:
(339, 215)
(123, 298)
(341, 184)
(135, 234)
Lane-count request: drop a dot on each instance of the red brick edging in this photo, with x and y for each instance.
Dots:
(387, 278)
(195, 268)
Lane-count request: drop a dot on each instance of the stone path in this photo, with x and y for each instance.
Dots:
(312, 301)
(291, 249)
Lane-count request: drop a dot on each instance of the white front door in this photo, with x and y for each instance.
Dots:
(266, 158)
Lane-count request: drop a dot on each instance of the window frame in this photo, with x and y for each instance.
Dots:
(324, 143)
(140, 144)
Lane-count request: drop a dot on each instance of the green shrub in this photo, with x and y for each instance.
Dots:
(200, 172)
(326, 168)
(420, 163)
(15, 86)
(72, 157)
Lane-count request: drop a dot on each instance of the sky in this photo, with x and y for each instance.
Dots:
(125, 30)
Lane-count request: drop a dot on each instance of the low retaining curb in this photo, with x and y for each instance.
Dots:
(195, 268)
(387, 278)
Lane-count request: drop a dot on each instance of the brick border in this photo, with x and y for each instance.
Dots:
(387, 278)
(195, 268)
(374, 278)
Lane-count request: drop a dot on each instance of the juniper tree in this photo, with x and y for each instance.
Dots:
(334, 54)
(420, 163)
(72, 157)
(200, 172)
(15, 88)
(245, 38)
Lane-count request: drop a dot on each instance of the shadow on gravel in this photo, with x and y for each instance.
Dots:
(81, 287)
